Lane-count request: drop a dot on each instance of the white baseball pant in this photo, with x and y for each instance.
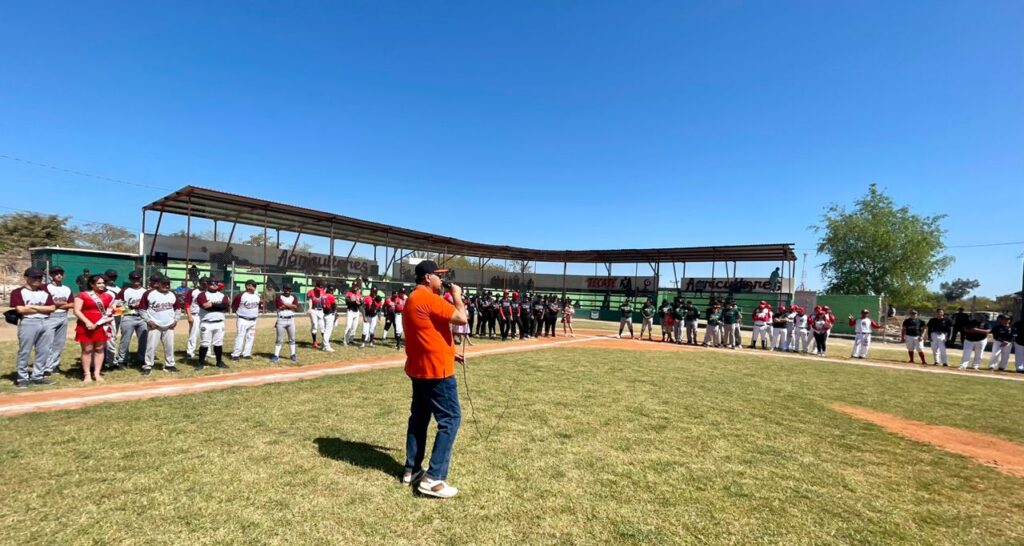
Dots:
(369, 327)
(193, 338)
(245, 337)
(399, 329)
(861, 344)
(802, 339)
(712, 337)
(1000, 354)
(648, 325)
(212, 334)
(1018, 356)
(328, 329)
(780, 339)
(352, 322)
(914, 343)
(938, 341)
(975, 348)
(316, 321)
(760, 333)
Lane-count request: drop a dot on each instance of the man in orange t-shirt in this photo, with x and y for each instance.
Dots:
(430, 364)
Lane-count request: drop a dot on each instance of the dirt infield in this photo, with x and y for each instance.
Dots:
(1003, 455)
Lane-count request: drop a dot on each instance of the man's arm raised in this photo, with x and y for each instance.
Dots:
(460, 316)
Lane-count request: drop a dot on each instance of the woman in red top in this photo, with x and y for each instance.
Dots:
(92, 307)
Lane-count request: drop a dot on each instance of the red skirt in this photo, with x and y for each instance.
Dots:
(83, 335)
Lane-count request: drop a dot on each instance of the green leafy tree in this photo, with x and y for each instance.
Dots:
(879, 248)
(101, 236)
(958, 289)
(20, 231)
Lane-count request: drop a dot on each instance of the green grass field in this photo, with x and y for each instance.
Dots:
(597, 446)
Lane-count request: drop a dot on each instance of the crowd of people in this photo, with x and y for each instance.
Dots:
(109, 317)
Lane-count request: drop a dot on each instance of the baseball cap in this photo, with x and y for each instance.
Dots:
(34, 272)
(250, 282)
(286, 286)
(56, 269)
(155, 277)
(110, 274)
(136, 275)
(204, 279)
(427, 267)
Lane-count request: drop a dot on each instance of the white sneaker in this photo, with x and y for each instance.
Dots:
(964, 367)
(436, 488)
(329, 349)
(410, 478)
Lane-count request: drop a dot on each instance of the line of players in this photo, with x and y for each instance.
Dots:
(512, 316)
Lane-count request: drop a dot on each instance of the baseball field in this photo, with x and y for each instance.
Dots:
(588, 440)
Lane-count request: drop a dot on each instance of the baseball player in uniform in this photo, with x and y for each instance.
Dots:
(286, 304)
(712, 335)
(626, 317)
(371, 310)
(1002, 343)
(677, 316)
(330, 316)
(975, 338)
(131, 322)
(862, 329)
(192, 308)
(110, 357)
(353, 300)
(1018, 344)
(690, 318)
(762, 318)
(315, 307)
(57, 322)
(780, 329)
(34, 305)
(802, 336)
(912, 332)
(647, 314)
(157, 308)
(790, 329)
(525, 318)
(939, 327)
(212, 305)
(389, 314)
(730, 318)
(246, 307)
(400, 300)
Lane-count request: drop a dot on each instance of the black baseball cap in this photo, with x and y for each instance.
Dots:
(136, 275)
(427, 267)
(34, 273)
(56, 269)
(204, 279)
(110, 274)
(155, 277)
(250, 282)
(286, 286)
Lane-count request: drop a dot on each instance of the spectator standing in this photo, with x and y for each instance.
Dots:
(34, 305)
(94, 313)
(975, 334)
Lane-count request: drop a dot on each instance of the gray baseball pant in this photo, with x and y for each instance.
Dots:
(33, 332)
(132, 324)
(58, 325)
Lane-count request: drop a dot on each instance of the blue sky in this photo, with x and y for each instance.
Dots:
(543, 124)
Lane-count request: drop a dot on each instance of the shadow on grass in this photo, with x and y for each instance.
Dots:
(360, 454)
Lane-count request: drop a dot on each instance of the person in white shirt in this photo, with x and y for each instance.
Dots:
(862, 327)
(192, 310)
(246, 307)
(157, 307)
(212, 305)
(762, 320)
(57, 322)
(110, 359)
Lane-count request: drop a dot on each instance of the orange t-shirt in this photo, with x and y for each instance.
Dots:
(429, 347)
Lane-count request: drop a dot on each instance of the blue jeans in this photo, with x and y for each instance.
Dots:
(440, 398)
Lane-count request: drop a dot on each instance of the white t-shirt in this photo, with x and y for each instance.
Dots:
(131, 297)
(61, 296)
(246, 305)
(209, 315)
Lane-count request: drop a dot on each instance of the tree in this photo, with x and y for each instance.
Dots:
(958, 288)
(879, 248)
(20, 231)
(101, 236)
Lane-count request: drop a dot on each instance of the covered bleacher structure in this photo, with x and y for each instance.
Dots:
(275, 261)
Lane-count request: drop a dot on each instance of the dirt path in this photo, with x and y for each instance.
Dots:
(49, 400)
(1003, 455)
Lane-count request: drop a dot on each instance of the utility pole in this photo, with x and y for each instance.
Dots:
(803, 274)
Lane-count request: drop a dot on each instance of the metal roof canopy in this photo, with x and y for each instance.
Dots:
(216, 205)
